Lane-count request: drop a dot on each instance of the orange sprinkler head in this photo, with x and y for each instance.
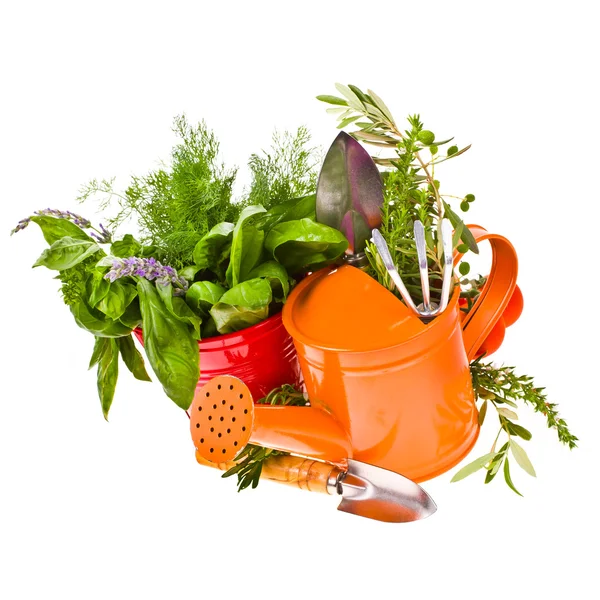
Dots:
(221, 418)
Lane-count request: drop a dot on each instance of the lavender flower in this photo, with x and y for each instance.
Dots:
(150, 269)
(103, 236)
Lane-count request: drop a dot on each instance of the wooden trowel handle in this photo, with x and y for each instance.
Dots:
(304, 473)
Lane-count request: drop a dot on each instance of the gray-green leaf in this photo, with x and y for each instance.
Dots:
(473, 467)
(522, 458)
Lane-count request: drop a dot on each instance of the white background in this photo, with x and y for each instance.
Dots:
(90, 509)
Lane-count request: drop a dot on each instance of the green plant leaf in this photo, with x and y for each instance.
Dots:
(242, 306)
(473, 467)
(466, 235)
(246, 246)
(482, 413)
(66, 252)
(509, 414)
(290, 210)
(277, 276)
(100, 346)
(108, 373)
(508, 479)
(203, 295)
(179, 309)
(132, 358)
(332, 100)
(53, 229)
(96, 322)
(117, 298)
(305, 245)
(209, 248)
(381, 105)
(522, 458)
(99, 286)
(126, 247)
(515, 429)
(170, 347)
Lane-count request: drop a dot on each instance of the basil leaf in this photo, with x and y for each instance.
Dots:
(53, 229)
(108, 372)
(95, 322)
(100, 347)
(208, 249)
(277, 276)
(170, 347)
(242, 306)
(126, 247)
(132, 358)
(132, 317)
(66, 253)
(202, 295)
(246, 246)
(179, 309)
(118, 297)
(99, 287)
(305, 245)
(290, 210)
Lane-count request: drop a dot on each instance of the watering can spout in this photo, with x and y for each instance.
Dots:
(224, 419)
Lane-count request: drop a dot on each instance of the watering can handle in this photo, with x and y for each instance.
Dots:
(495, 294)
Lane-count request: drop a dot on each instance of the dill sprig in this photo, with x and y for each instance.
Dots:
(289, 169)
(251, 459)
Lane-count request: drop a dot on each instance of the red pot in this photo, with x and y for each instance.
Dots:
(262, 356)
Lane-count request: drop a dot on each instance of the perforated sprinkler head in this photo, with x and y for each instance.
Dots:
(221, 418)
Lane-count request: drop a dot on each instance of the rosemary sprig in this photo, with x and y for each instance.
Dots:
(251, 459)
(502, 388)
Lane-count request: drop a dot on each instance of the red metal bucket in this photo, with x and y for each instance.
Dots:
(262, 356)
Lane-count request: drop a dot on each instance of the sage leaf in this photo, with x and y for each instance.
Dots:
(522, 458)
(66, 253)
(132, 358)
(473, 467)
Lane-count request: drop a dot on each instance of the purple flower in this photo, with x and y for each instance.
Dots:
(150, 269)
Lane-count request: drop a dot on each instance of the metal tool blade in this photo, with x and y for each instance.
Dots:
(386, 257)
(419, 231)
(384, 495)
(446, 230)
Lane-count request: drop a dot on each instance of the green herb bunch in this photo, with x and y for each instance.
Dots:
(411, 191)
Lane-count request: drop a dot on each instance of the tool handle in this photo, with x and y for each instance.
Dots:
(304, 473)
(495, 294)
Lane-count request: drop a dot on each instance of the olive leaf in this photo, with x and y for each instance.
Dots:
(508, 479)
(522, 458)
(473, 467)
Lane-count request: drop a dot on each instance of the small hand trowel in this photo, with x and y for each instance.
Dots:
(366, 490)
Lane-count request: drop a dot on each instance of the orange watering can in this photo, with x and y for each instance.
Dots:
(385, 388)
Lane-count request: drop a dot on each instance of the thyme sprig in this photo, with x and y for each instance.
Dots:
(502, 388)
(251, 459)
